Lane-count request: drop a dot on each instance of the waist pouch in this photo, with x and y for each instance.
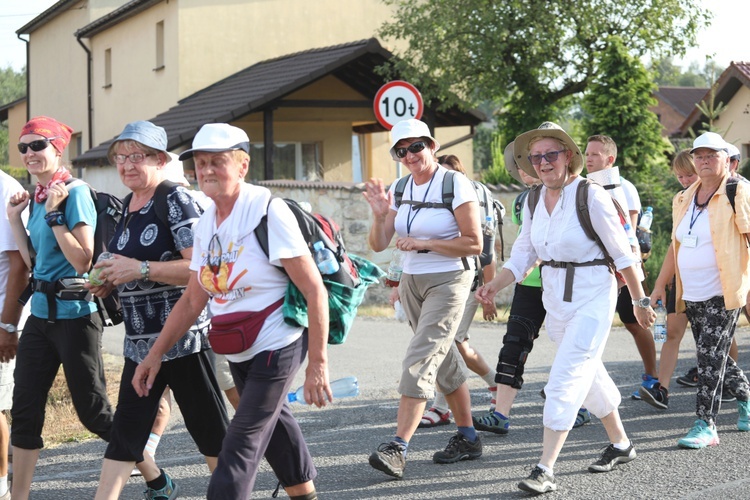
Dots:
(236, 332)
(71, 288)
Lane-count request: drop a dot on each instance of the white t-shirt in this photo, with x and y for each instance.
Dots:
(631, 194)
(432, 223)
(248, 280)
(8, 187)
(699, 270)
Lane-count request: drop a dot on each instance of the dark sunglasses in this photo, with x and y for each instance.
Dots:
(38, 145)
(412, 148)
(214, 260)
(550, 157)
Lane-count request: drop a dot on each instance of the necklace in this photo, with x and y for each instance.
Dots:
(701, 206)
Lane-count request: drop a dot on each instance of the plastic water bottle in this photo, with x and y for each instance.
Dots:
(660, 325)
(94, 278)
(341, 388)
(395, 268)
(400, 314)
(325, 259)
(647, 218)
(488, 228)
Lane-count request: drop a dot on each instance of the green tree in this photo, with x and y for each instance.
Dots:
(667, 73)
(617, 104)
(12, 87)
(528, 55)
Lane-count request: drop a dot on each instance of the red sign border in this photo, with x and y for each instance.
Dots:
(389, 85)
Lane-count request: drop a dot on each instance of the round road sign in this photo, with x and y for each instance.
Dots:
(395, 101)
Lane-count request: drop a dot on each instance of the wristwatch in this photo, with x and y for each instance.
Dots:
(55, 219)
(642, 302)
(9, 327)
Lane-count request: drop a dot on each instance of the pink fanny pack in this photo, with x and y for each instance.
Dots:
(236, 332)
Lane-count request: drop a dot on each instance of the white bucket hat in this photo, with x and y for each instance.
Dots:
(710, 140)
(217, 137)
(408, 129)
(546, 129)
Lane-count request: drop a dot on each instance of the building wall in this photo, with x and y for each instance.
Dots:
(669, 118)
(734, 122)
(138, 89)
(16, 121)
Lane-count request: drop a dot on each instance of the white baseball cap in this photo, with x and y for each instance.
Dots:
(408, 129)
(710, 140)
(217, 137)
(174, 172)
(732, 151)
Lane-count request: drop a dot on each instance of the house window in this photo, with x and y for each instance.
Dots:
(107, 68)
(358, 146)
(159, 46)
(291, 160)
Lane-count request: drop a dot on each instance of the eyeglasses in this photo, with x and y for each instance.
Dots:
(133, 157)
(412, 148)
(214, 259)
(550, 157)
(702, 158)
(38, 145)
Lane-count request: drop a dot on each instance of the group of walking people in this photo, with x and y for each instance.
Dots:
(177, 263)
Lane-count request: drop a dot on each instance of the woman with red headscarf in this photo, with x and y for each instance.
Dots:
(64, 327)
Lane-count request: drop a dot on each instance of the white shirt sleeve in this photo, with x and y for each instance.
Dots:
(285, 239)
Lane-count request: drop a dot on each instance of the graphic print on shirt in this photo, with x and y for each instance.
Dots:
(216, 271)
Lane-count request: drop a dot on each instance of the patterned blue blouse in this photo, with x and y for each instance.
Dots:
(146, 304)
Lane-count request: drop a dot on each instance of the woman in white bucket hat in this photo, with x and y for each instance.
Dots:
(433, 288)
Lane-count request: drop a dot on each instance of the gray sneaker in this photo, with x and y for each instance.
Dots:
(169, 492)
(459, 448)
(389, 458)
(611, 457)
(538, 482)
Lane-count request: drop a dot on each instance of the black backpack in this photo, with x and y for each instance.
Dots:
(108, 214)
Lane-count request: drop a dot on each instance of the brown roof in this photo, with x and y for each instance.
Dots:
(682, 99)
(730, 81)
(118, 15)
(266, 83)
(46, 16)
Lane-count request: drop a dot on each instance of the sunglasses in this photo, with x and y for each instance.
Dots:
(550, 157)
(412, 148)
(214, 259)
(38, 145)
(133, 157)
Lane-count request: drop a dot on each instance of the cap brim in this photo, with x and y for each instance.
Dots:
(521, 149)
(186, 155)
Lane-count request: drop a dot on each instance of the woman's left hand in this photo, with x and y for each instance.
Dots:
(645, 316)
(55, 196)
(102, 291)
(119, 270)
(410, 244)
(317, 388)
(489, 311)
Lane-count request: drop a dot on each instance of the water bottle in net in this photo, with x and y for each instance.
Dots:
(325, 259)
(488, 228)
(341, 388)
(647, 218)
(660, 325)
(395, 268)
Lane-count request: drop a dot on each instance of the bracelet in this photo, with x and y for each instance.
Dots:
(145, 270)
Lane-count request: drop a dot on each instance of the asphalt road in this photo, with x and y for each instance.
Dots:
(342, 435)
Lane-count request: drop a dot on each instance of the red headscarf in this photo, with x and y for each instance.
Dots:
(48, 128)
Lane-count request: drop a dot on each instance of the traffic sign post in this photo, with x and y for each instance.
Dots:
(395, 101)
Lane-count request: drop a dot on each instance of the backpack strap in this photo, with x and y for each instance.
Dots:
(535, 193)
(398, 192)
(499, 213)
(161, 207)
(449, 191)
(731, 190)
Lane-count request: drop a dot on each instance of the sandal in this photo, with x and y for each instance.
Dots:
(433, 418)
(583, 417)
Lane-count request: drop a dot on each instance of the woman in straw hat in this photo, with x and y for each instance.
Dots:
(433, 288)
(578, 324)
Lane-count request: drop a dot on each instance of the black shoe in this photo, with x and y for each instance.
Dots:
(459, 448)
(611, 457)
(690, 379)
(657, 396)
(727, 394)
(538, 482)
(389, 459)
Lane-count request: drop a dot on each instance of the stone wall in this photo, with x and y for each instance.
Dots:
(345, 204)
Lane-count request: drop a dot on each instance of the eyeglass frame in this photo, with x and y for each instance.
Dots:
(418, 145)
(707, 158)
(115, 158)
(23, 147)
(544, 156)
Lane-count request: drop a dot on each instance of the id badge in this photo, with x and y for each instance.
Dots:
(690, 241)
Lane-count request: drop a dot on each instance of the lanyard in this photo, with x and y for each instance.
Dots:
(409, 219)
(701, 207)
(693, 218)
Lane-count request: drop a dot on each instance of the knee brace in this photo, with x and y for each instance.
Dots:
(517, 344)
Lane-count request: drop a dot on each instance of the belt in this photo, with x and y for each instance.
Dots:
(63, 289)
(570, 272)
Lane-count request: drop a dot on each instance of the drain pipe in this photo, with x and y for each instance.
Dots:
(89, 112)
(28, 87)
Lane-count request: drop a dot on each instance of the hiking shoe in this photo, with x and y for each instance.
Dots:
(538, 482)
(169, 491)
(690, 379)
(583, 417)
(727, 395)
(648, 383)
(459, 448)
(491, 422)
(700, 436)
(657, 396)
(611, 457)
(743, 422)
(389, 459)
(434, 418)
(543, 394)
